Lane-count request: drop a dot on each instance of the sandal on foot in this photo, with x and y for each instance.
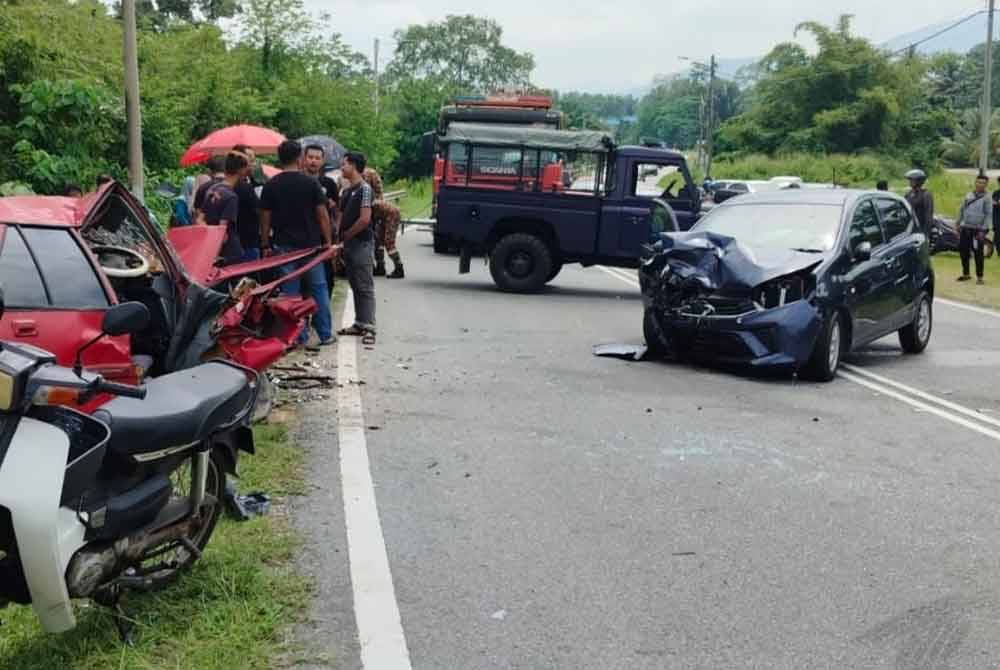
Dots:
(353, 331)
(368, 337)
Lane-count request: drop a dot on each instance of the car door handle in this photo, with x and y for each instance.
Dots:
(25, 328)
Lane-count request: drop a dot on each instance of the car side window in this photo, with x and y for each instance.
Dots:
(19, 278)
(896, 219)
(865, 226)
(65, 269)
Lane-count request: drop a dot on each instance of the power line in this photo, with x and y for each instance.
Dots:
(944, 30)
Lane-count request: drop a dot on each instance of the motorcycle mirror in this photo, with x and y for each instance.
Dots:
(128, 317)
(123, 319)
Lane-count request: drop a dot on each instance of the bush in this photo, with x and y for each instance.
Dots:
(843, 169)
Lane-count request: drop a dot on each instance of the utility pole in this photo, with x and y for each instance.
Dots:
(709, 140)
(984, 147)
(376, 80)
(132, 111)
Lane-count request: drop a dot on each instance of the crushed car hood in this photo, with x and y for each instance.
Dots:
(722, 264)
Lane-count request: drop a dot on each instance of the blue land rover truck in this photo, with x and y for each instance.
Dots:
(534, 199)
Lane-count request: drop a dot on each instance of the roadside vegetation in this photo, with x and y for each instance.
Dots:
(230, 611)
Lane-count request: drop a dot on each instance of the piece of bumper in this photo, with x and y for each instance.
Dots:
(780, 337)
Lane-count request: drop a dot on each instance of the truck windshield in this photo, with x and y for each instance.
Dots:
(804, 227)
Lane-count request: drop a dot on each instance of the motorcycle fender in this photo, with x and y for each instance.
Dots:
(31, 482)
(231, 443)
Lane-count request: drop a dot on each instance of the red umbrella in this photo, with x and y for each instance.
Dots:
(261, 140)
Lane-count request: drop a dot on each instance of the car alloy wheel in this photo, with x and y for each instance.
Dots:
(833, 353)
(924, 321)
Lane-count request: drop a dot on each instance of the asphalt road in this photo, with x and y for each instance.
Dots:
(544, 508)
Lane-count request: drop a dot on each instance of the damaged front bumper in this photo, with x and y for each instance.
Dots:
(779, 337)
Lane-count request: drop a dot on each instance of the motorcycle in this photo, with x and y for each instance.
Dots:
(125, 499)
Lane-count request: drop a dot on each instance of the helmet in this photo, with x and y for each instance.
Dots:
(917, 175)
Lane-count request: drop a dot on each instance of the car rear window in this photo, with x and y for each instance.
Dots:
(56, 275)
(67, 273)
(22, 285)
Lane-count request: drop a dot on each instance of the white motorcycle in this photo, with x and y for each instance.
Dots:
(125, 499)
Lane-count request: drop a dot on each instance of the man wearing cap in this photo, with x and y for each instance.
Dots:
(920, 199)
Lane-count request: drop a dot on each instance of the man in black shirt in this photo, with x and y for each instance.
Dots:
(293, 206)
(359, 248)
(312, 165)
(220, 206)
(216, 168)
(247, 221)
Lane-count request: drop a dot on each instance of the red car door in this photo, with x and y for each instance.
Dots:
(55, 299)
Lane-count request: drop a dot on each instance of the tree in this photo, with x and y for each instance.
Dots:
(160, 14)
(465, 52)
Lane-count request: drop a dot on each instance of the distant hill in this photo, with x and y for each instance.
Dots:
(959, 40)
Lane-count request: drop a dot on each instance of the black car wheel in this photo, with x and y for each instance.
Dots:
(652, 331)
(916, 336)
(521, 263)
(825, 359)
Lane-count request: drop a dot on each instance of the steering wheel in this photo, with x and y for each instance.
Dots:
(121, 263)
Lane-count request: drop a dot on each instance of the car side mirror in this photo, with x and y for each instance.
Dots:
(863, 251)
(126, 318)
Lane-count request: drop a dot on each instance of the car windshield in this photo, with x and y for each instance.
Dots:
(807, 227)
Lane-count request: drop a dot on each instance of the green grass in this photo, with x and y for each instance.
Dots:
(947, 267)
(417, 203)
(230, 611)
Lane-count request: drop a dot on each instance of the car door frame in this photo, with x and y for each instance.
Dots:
(865, 289)
(902, 256)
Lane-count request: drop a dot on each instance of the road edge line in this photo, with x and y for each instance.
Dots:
(376, 611)
(985, 311)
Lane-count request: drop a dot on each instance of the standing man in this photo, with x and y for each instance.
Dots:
(996, 215)
(216, 173)
(248, 221)
(974, 219)
(220, 206)
(358, 242)
(920, 200)
(386, 219)
(315, 158)
(294, 206)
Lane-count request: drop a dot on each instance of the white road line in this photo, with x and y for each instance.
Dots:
(620, 275)
(969, 308)
(972, 414)
(885, 386)
(380, 629)
(948, 416)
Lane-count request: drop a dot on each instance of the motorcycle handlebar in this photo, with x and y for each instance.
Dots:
(121, 390)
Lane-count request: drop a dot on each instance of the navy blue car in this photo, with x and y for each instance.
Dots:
(792, 279)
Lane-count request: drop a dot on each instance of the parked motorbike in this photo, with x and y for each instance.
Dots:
(124, 499)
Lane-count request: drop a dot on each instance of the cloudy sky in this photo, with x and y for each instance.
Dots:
(620, 45)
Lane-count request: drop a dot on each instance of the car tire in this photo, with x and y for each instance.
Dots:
(915, 337)
(822, 365)
(652, 331)
(520, 263)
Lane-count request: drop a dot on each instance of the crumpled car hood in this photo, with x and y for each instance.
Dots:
(722, 264)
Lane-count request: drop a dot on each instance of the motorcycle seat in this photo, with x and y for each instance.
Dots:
(179, 409)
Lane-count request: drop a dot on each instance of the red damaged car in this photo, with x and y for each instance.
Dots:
(64, 262)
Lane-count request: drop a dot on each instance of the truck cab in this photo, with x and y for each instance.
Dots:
(534, 199)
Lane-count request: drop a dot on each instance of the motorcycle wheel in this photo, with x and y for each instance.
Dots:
(179, 559)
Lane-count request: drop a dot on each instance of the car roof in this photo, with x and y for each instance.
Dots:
(842, 197)
(48, 210)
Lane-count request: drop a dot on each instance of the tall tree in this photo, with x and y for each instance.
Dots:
(463, 51)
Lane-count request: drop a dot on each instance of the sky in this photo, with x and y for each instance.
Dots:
(620, 46)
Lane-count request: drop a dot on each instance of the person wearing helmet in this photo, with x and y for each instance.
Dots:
(920, 199)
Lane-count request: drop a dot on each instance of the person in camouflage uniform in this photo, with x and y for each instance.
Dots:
(386, 217)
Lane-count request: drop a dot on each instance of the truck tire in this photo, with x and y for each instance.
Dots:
(520, 263)
(442, 243)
